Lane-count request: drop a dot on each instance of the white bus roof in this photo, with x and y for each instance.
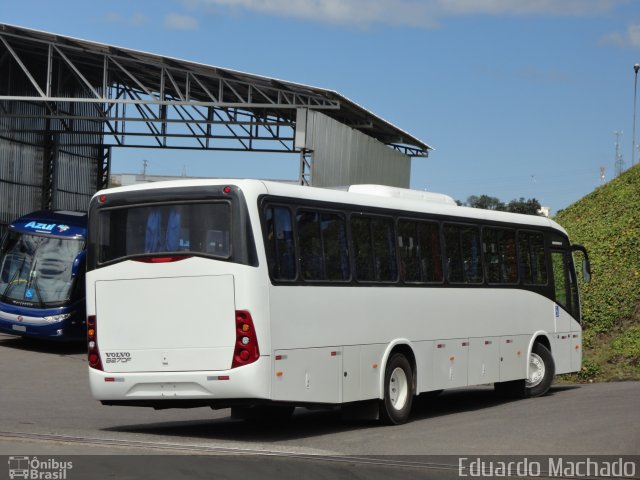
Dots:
(380, 196)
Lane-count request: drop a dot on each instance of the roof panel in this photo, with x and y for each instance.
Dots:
(184, 75)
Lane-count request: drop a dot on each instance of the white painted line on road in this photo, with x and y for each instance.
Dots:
(194, 448)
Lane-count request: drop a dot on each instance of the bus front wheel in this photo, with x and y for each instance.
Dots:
(540, 373)
(395, 407)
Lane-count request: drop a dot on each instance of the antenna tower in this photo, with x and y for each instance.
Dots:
(619, 162)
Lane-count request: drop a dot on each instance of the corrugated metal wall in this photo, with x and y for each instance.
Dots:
(43, 163)
(344, 156)
(21, 163)
(75, 173)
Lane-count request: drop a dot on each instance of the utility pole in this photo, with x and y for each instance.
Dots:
(636, 67)
(619, 163)
(602, 174)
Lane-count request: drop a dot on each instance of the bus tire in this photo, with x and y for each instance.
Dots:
(540, 371)
(395, 407)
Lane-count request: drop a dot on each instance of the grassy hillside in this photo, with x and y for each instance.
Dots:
(607, 222)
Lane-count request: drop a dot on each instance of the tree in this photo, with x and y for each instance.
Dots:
(486, 202)
(530, 206)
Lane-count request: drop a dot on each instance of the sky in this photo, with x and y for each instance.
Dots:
(518, 98)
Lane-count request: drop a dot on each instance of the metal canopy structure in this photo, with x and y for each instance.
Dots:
(147, 100)
(65, 102)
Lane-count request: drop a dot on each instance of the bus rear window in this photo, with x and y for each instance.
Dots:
(183, 228)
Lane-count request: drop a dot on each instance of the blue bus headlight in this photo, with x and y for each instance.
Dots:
(56, 318)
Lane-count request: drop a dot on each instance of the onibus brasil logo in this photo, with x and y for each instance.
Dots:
(35, 469)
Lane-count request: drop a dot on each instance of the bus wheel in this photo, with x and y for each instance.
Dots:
(398, 390)
(540, 371)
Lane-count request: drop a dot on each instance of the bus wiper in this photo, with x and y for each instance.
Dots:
(33, 280)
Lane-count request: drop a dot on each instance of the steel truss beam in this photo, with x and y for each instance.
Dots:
(142, 103)
(145, 100)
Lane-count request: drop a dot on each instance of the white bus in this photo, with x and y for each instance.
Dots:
(263, 296)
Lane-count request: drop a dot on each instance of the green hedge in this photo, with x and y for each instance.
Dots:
(607, 223)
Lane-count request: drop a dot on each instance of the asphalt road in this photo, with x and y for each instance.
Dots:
(46, 409)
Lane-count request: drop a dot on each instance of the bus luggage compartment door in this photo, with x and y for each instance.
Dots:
(166, 324)
(450, 363)
(513, 357)
(308, 375)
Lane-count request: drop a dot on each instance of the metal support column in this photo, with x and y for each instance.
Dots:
(306, 167)
(48, 169)
(104, 170)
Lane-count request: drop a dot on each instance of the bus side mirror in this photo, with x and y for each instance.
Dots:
(78, 264)
(586, 265)
(586, 270)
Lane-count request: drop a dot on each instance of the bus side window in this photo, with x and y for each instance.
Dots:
(361, 234)
(559, 278)
(471, 254)
(384, 248)
(310, 245)
(335, 248)
(532, 260)
(500, 255)
(419, 247)
(463, 254)
(279, 243)
(454, 254)
(409, 254)
(430, 254)
(322, 242)
(374, 245)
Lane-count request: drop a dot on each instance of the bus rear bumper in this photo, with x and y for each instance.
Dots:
(200, 388)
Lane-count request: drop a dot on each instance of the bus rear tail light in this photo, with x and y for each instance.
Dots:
(164, 259)
(246, 350)
(92, 343)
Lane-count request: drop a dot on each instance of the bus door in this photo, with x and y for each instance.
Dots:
(576, 330)
(567, 309)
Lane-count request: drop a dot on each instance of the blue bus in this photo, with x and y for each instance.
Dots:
(42, 276)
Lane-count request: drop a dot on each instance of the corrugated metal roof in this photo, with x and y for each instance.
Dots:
(90, 55)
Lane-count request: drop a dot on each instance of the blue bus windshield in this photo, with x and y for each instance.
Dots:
(37, 269)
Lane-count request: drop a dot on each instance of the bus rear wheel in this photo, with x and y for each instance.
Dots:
(395, 407)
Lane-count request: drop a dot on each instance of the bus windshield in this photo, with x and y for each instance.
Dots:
(37, 269)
